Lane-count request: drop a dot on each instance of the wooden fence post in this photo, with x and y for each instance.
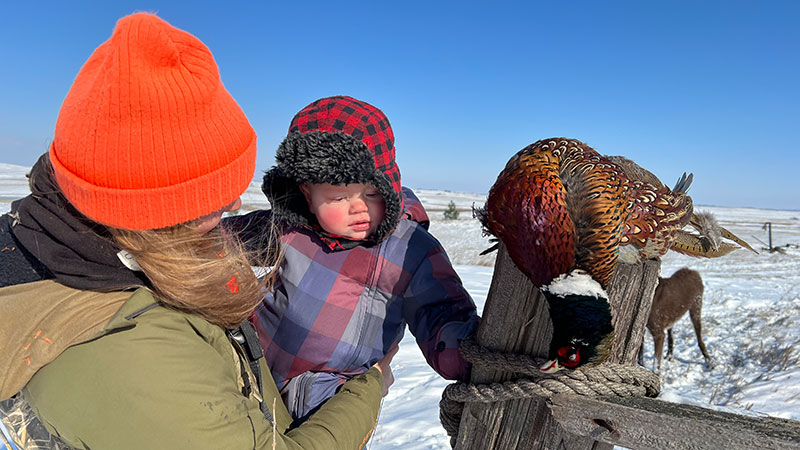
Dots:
(516, 319)
(768, 226)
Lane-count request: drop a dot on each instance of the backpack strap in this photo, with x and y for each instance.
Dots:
(247, 338)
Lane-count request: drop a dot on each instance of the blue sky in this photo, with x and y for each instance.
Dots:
(708, 87)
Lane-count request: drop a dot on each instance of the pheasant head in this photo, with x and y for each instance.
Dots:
(581, 316)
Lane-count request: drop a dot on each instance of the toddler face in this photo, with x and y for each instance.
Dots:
(353, 211)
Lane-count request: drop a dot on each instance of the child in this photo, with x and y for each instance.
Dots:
(359, 262)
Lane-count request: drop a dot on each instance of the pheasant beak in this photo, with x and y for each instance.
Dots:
(550, 366)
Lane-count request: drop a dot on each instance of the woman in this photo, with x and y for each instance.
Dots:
(125, 308)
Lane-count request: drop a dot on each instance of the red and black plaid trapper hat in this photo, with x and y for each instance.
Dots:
(335, 140)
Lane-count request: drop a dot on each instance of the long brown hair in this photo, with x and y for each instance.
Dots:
(204, 274)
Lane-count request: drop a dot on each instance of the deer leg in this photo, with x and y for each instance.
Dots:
(694, 315)
(658, 344)
(669, 344)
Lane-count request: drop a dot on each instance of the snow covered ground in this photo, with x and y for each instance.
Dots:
(751, 319)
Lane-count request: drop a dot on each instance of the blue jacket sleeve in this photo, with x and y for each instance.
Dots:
(439, 312)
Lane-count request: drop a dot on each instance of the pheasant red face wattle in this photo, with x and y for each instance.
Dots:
(569, 356)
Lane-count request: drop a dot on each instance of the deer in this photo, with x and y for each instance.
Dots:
(681, 292)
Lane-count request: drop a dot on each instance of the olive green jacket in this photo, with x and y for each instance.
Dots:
(102, 371)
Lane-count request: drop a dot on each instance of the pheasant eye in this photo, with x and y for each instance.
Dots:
(570, 356)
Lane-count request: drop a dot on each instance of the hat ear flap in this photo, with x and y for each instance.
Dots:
(305, 189)
(288, 202)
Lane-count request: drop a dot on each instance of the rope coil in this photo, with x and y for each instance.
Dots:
(606, 379)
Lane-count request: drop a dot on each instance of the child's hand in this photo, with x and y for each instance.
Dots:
(385, 369)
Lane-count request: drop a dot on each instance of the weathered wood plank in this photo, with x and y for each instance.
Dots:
(516, 319)
(651, 424)
(631, 295)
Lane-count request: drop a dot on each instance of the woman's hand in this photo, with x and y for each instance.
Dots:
(384, 368)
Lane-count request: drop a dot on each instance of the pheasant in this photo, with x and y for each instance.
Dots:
(565, 214)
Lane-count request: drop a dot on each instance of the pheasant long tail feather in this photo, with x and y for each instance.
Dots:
(728, 235)
(697, 246)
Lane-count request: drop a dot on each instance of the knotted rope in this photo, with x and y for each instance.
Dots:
(606, 379)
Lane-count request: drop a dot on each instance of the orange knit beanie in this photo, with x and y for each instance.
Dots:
(147, 136)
